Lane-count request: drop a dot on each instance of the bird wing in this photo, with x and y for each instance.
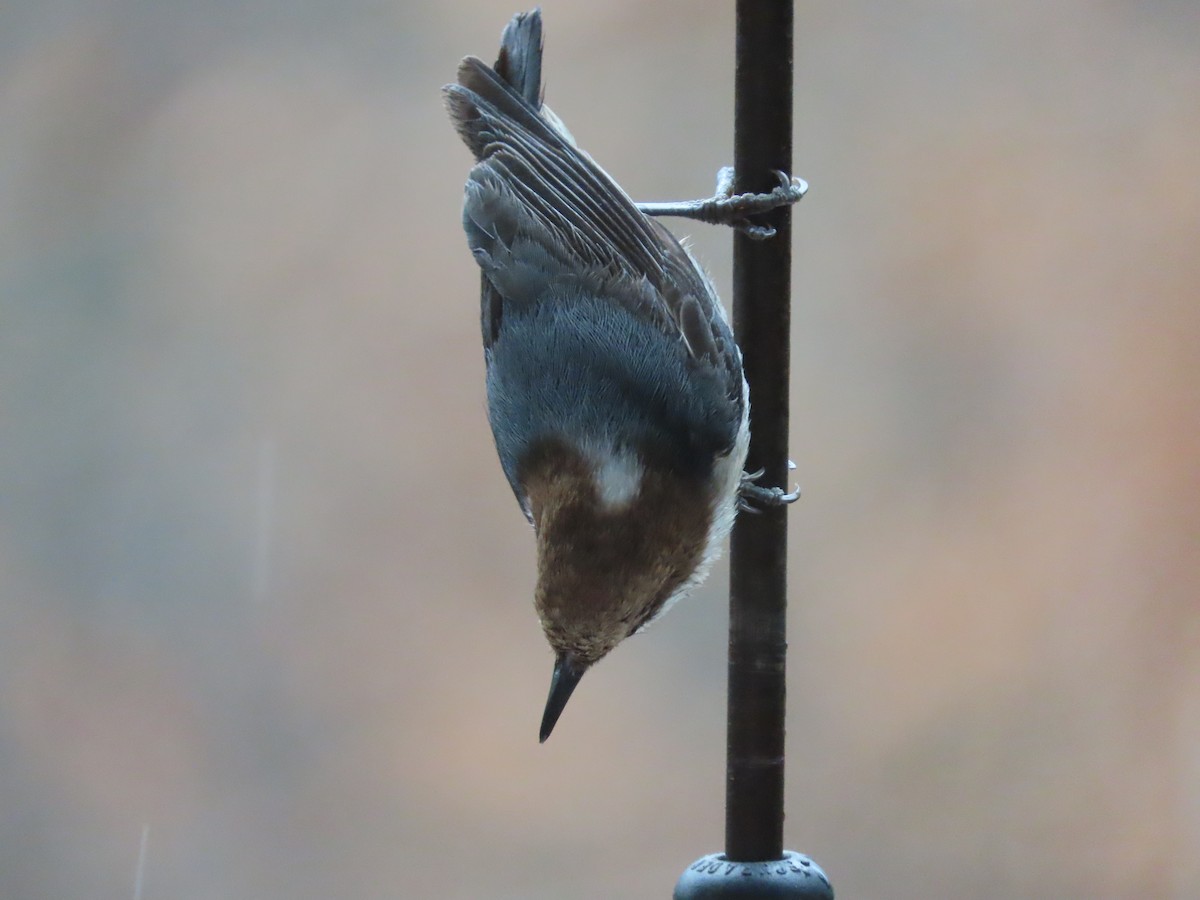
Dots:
(540, 213)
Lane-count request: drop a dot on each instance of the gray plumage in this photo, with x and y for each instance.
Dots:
(598, 326)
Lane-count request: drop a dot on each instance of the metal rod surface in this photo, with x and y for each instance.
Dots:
(762, 317)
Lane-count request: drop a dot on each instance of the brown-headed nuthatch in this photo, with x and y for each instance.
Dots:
(615, 388)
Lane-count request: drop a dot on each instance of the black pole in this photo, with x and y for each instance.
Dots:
(754, 863)
(758, 549)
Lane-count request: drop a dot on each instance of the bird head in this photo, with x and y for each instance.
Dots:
(619, 537)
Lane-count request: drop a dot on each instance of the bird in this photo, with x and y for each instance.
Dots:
(615, 389)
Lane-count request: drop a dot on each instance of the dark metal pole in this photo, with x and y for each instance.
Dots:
(762, 316)
(754, 863)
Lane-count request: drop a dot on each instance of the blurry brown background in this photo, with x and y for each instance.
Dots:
(265, 595)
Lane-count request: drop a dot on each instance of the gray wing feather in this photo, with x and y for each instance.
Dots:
(576, 209)
(542, 218)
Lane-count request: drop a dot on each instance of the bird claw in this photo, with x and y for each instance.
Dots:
(755, 498)
(735, 210)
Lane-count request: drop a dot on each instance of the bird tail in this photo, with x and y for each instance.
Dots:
(520, 59)
(494, 101)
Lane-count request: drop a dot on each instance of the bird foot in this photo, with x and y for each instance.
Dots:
(735, 210)
(755, 498)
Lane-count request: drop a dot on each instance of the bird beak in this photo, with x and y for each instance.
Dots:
(567, 672)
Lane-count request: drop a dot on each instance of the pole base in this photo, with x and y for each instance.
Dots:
(715, 878)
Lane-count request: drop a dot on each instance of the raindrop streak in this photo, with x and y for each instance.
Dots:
(139, 876)
(264, 519)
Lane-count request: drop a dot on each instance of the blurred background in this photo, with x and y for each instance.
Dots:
(266, 626)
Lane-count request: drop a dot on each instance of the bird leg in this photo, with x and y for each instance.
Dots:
(727, 208)
(754, 497)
